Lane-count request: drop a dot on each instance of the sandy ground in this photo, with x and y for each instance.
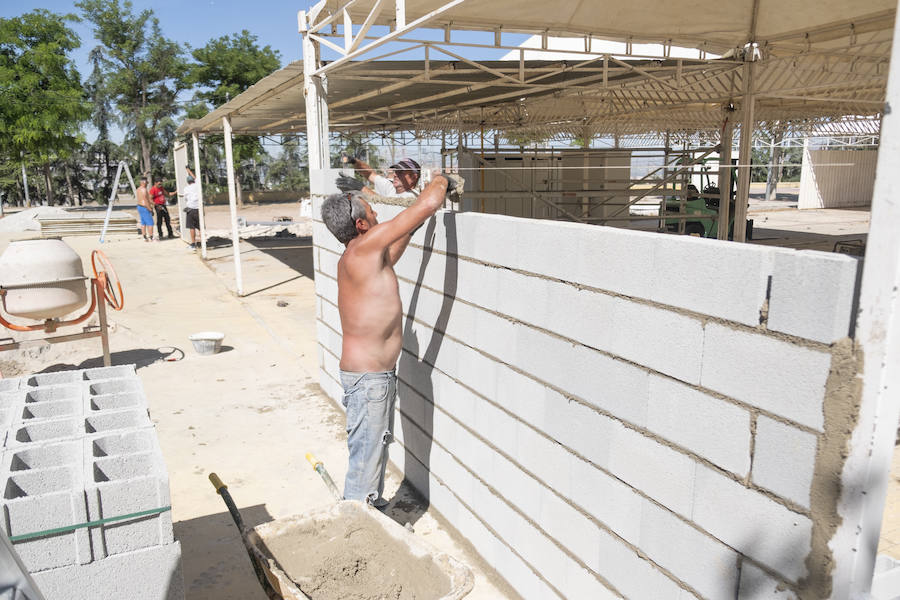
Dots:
(249, 413)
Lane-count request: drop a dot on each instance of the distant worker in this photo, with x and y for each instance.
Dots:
(402, 183)
(192, 209)
(158, 195)
(145, 210)
(370, 312)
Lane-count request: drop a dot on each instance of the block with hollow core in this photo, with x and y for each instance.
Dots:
(114, 386)
(118, 401)
(40, 500)
(8, 385)
(56, 392)
(116, 372)
(116, 420)
(46, 379)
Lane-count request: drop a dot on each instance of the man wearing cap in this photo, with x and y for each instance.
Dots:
(401, 185)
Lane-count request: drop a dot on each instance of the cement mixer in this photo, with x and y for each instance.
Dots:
(44, 280)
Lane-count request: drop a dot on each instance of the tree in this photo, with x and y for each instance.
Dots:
(43, 101)
(286, 172)
(225, 67)
(142, 73)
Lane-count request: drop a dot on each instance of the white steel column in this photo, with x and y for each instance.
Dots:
(196, 141)
(748, 124)
(315, 89)
(235, 239)
(867, 469)
(725, 177)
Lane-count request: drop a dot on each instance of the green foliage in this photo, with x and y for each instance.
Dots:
(228, 65)
(140, 72)
(791, 157)
(43, 103)
(356, 145)
(286, 172)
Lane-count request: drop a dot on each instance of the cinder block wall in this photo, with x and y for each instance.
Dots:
(607, 413)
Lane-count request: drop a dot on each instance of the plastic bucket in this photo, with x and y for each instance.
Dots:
(207, 342)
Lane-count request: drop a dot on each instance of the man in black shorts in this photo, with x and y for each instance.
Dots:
(192, 210)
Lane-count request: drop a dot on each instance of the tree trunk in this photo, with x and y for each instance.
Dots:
(50, 197)
(69, 186)
(775, 159)
(145, 155)
(237, 190)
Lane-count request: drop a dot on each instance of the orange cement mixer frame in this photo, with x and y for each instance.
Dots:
(105, 288)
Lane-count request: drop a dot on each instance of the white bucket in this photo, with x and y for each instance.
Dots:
(207, 342)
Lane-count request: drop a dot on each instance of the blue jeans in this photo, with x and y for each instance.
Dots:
(369, 399)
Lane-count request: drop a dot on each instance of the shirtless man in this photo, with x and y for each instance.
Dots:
(145, 210)
(370, 310)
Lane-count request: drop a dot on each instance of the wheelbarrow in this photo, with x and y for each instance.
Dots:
(345, 549)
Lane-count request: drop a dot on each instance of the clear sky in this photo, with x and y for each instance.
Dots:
(194, 22)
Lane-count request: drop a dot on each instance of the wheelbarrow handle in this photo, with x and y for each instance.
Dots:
(222, 490)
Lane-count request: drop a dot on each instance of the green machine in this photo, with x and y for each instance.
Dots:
(704, 205)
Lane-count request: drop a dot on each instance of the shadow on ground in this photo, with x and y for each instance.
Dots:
(140, 357)
(295, 252)
(216, 564)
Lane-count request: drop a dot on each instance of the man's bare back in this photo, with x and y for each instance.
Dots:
(368, 293)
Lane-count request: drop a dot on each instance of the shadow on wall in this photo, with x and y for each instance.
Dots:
(413, 359)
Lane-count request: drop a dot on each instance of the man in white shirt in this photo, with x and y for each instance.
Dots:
(192, 209)
(402, 184)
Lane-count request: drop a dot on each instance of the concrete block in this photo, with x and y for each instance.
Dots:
(687, 417)
(574, 531)
(582, 583)
(767, 531)
(44, 431)
(49, 394)
(48, 379)
(631, 574)
(116, 401)
(662, 473)
(521, 395)
(578, 427)
(607, 499)
(496, 426)
(543, 555)
(123, 485)
(115, 420)
(10, 384)
(115, 386)
(43, 499)
(543, 458)
(327, 288)
(771, 374)
(710, 277)
(698, 560)
(632, 253)
(37, 411)
(115, 372)
(812, 294)
(535, 237)
(323, 238)
(612, 385)
(148, 574)
(328, 262)
(329, 338)
(139, 441)
(519, 488)
(784, 460)
(44, 456)
(756, 584)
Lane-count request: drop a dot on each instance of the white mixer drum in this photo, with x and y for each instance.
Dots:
(52, 263)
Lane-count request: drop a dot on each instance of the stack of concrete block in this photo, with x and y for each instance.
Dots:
(78, 447)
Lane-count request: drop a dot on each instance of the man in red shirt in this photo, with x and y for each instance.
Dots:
(158, 195)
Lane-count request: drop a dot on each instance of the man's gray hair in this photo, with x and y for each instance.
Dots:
(340, 212)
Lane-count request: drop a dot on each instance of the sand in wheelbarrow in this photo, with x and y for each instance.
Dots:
(350, 559)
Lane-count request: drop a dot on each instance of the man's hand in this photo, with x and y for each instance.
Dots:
(347, 184)
(455, 185)
(348, 158)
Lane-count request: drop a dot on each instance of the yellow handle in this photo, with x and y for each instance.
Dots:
(217, 483)
(312, 460)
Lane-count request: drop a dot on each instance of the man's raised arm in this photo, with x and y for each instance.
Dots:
(394, 234)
